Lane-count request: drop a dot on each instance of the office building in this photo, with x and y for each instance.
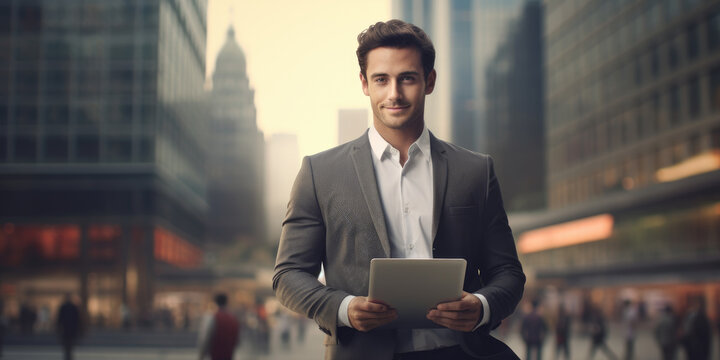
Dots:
(633, 151)
(102, 151)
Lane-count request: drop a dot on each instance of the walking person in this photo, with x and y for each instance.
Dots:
(598, 334)
(68, 326)
(666, 333)
(534, 329)
(219, 333)
(630, 319)
(562, 333)
(695, 336)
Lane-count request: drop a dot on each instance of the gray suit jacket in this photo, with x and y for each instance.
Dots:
(335, 218)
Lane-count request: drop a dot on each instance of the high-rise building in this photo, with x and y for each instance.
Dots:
(514, 112)
(466, 34)
(351, 124)
(283, 159)
(633, 151)
(102, 175)
(236, 155)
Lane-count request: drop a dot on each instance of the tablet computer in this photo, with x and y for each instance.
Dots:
(414, 286)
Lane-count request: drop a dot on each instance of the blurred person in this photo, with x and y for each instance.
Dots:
(219, 333)
(533, 330)
(4, 323)
(666, 333)
(598, 334)
(125, 316)
(562, 333)
(283, 327)
(695, 332)
(301, 328)
(28, 317)
(629, 319)
(68, 326)
(398, 191)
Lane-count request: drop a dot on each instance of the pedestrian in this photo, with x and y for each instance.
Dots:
(695, 336)
(666, 333)
(3, 325)
(68, 326)
(598, 334)
(562, 333)
(629, 319)
(534, 329)
(219, 333)
(28, 317)
(398, 191)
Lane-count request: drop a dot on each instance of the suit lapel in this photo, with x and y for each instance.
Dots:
(361, 156)
(440, 171)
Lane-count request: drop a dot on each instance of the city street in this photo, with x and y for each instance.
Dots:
(645, 349)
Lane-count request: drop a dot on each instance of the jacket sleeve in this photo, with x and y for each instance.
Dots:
(300, 254)
(501, 272)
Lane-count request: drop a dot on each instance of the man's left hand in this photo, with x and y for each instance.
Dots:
(460, 315)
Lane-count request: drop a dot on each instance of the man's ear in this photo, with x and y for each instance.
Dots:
(364, 83)
(430, 82)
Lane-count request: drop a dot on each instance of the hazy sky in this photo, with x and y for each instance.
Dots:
(301, 60)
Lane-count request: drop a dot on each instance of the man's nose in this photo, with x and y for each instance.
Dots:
(395, 92)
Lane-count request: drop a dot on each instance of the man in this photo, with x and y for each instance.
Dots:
(696, 333)
(68, 326)
(219, 333)
(397, 191)
(534, 329)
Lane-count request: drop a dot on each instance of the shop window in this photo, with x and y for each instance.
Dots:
(35, 245)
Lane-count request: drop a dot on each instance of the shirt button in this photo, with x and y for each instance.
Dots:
(411, 246)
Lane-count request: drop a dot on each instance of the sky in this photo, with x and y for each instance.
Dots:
(300, 60)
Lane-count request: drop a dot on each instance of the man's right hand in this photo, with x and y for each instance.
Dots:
(365, 315)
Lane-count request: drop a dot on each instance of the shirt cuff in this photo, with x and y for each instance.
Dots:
(486, 311)
(342, 316)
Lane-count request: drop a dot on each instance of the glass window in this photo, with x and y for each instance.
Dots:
(693, 44)
(26, 116)
(713, 26)
(146, 149)
(694, 97)
(715, 88)
(57, 81)
(655, 61)
(715, 138)
(675, 116)
(25, 148)
(87, 148)
(30, 18)
(5, 19)
(673, 59)
(118, 149)
(56, 115)
(56, 148)
(26, 83)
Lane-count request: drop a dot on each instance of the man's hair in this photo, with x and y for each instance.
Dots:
(397, 34)
(221, 299)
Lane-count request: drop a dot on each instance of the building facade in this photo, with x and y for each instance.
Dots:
(633, 151)
(102, 173)
(236, 154)
(514, 112)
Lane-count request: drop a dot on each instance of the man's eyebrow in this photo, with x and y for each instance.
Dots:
(376, 75)
(404, 73)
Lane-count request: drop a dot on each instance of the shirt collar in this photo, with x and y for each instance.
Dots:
(380, 146)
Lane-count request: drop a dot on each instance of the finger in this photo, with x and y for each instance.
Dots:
(455, 315)
(362, 303)
(367, 325)
(467, 302)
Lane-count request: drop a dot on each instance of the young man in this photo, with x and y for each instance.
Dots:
(219, 333)
(397, 191)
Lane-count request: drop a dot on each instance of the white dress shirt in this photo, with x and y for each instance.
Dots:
(406, 193)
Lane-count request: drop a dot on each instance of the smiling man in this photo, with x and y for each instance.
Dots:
(398, 191)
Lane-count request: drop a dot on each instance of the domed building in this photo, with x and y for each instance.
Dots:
(235, 177)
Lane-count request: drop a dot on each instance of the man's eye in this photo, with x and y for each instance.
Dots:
(380, 80)
(407, 78)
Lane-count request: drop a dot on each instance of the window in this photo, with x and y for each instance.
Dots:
(25, 148)
(56, 115)
(675, 116)
(713, 27)
(146, 149)
(715, 88)
(655, 62)
(87, 148)
(118, 149)
(693, 44)
(694, 97)
(672, 55)
(56, 148)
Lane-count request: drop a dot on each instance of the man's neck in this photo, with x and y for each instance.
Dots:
(401, 139)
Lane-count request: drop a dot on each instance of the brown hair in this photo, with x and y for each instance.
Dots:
(398, 34)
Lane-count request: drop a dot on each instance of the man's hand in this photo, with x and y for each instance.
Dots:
(461, 315)
(365, 315)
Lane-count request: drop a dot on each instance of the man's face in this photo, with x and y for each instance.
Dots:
(396, 87)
